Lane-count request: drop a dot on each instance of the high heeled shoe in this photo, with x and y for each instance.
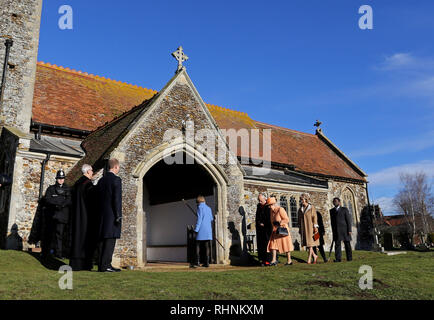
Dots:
(272, 264)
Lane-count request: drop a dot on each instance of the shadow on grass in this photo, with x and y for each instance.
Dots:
(49, 262)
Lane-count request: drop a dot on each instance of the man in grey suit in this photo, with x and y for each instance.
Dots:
(340, 219)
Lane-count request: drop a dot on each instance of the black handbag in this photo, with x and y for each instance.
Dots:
(282, 231)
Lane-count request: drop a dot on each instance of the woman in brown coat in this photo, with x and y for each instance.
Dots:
(308, 226)
(283, 244)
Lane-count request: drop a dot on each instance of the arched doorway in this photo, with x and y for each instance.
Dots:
(220, 194)
(165, 188)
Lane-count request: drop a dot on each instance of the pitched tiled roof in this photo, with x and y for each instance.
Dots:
(77, 100)
(308, 152)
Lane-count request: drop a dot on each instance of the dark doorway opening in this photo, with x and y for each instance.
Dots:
(167, 216)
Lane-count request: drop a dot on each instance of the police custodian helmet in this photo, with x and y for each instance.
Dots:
(60, 174)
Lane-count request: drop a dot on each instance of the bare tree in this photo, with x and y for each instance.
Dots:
(415, 200)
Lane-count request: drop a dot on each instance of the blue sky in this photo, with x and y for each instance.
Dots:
(286, 63)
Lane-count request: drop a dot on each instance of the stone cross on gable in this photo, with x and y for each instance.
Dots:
(180, 56)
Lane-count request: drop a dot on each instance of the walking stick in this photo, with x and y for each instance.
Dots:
(192, 210)
(331, 248)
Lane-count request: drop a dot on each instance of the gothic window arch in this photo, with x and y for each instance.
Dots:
(284, 203)
(349, 202)
(293, 207)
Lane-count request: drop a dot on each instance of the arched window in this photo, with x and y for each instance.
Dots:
(348, 201)
(284, 203)
(294, 217)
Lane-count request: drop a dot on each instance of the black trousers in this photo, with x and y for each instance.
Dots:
(107, 246)
(58, 238)
(321, 251)
(47, 240)
(348, 252)
(262, 244)
(207, 244)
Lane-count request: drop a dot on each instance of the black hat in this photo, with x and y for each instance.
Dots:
(60, 174)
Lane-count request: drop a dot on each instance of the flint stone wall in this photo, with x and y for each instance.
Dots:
(19, 21)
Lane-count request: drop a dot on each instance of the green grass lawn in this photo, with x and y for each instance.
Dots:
(406, 276)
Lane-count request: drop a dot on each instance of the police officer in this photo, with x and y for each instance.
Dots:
(57, 202)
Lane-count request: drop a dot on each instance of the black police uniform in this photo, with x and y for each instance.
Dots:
(57, 202)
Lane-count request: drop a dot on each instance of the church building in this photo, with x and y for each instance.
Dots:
(172, 146)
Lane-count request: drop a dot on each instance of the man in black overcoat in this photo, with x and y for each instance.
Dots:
(263, 230)
(84, 222)
(341, 226)
(58, 203)
(110, 207)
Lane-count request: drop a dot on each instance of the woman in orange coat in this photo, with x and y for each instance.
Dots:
(283, 244)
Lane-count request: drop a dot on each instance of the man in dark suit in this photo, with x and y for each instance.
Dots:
(110, 208)
(263, 230)
(341, 226)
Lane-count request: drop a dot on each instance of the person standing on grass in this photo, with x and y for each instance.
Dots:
(83, 222)
(58, 202)
(263, 229)
(277, 242)
(340, 219)
(203, 231)
(110, 209)
(308, 226)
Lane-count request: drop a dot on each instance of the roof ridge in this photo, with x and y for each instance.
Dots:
(283, 128)
(227, 109)
(89, 75)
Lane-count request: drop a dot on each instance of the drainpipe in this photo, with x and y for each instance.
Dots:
(8, 44)
(41, 184)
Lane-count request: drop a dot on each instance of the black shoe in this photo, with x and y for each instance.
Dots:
(336, 260)
(272, 264)
(115, 269)
(205, 265)
(288, 264)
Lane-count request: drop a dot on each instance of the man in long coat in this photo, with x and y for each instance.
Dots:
(83, 222)
(203, 230)
(263, 229)
(110, 208)
(340, 219)
(58, 202)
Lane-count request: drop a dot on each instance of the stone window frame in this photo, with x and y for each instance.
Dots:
(288, 196)
(350, 204)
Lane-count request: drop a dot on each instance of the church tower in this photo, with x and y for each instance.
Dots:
(19, 36)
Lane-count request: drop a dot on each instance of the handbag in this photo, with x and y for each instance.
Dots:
(315, 236)
(282, 231)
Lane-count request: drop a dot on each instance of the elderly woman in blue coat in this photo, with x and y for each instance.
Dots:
(203, 230)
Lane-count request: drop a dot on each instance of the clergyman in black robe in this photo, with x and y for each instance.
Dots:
(263, 229)
(84, 222)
